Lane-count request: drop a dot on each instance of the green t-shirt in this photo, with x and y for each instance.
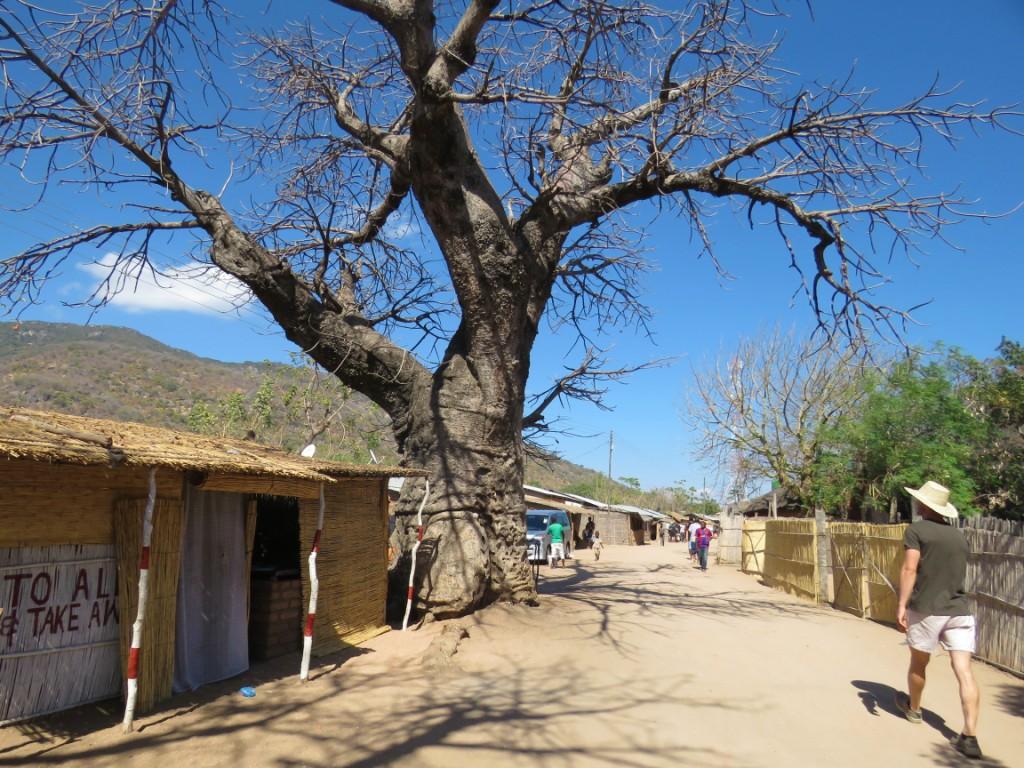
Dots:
(555, 529)
(939, 589)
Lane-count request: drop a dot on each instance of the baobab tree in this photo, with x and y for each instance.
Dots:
(519, 133)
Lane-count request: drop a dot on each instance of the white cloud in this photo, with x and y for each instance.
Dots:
(198, 289)
(402, 227)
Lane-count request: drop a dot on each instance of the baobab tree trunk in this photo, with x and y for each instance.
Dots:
(474, 544)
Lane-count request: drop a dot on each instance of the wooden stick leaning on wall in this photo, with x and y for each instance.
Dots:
(314, 588)
(140, 617)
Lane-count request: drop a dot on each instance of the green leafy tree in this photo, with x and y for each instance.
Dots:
(993, 390)
(913, 426)
(201, 418)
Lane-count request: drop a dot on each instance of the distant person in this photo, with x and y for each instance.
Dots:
(691, 538)
(703, 537)
(662, 533)
(596, 545)
(933, 607)
(557, 549)
(588, 532)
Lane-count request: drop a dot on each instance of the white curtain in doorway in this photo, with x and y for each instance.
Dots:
(212, 635)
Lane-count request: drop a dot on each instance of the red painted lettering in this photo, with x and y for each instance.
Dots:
(35, 619)
(94, 616)
(73, 617)
(81, 584)
(9, 626)
(99, 587)
(17, 578)
(44, 579)
(110, 609)
(54, 621)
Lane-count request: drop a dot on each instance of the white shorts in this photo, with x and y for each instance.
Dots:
(924, 633)
(557, 551)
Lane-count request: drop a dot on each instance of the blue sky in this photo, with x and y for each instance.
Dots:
(897, 48)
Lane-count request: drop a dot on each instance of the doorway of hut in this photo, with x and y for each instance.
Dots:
(275, 597)
(211, 640)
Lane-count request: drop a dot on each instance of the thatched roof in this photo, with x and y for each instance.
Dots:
(59, 438)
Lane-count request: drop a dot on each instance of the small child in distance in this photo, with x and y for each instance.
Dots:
(596, 545)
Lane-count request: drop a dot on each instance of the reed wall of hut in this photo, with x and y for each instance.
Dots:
(57, 533)
(352, 562)
(156, 659)
(46, 504)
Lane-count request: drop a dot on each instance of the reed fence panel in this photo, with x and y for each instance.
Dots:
(352, 564)
(884, 544)
(849, 567)
(995, 585)
(790, 556)
(866, 562)
(156, 657)
(752, 558)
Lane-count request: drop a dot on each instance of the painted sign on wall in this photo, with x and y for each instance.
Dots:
(58, 628)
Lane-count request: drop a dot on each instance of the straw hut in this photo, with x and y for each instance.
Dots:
(643, 522)
(776, 503)
(612, 523)
(231, 525)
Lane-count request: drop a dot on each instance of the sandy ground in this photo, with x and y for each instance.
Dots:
(637, 660)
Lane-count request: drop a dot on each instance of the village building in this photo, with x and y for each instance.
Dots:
(228, 573)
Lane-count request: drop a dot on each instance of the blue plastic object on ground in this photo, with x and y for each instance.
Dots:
(247, 691)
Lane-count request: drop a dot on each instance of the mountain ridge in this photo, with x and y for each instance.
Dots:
(119, 373)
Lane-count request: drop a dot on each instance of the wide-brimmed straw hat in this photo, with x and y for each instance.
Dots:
(935, 497)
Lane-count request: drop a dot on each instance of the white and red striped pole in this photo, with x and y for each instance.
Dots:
(314, 589)
(415, 547)
(140, 616)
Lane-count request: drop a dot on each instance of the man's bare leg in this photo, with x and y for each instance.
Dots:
(916, 676)
(970, 696)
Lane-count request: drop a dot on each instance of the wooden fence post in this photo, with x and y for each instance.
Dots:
(821, 554)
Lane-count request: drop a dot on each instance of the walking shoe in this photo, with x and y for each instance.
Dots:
(902, 702)
(967, 746)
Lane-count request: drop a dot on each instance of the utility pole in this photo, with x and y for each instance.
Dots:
(611, 445)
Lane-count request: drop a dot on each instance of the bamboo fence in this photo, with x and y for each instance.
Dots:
(867, 560)
(790, 556)
(849, 559)
(884, 545)
(752, 557)
(995, 584)
(156, 657)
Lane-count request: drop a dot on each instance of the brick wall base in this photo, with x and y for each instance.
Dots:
(275, 618)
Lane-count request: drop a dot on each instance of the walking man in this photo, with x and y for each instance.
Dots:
(557, 550)
(691, 537)
(703, 537)
(933, 607)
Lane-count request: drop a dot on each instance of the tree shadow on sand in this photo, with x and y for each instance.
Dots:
(366, 718)
(619, 600)
(1010, 698)
(52, 733)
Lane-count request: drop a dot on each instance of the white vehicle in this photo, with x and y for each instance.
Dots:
(538, 540)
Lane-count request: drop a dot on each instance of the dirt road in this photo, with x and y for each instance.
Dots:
(638, 660)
